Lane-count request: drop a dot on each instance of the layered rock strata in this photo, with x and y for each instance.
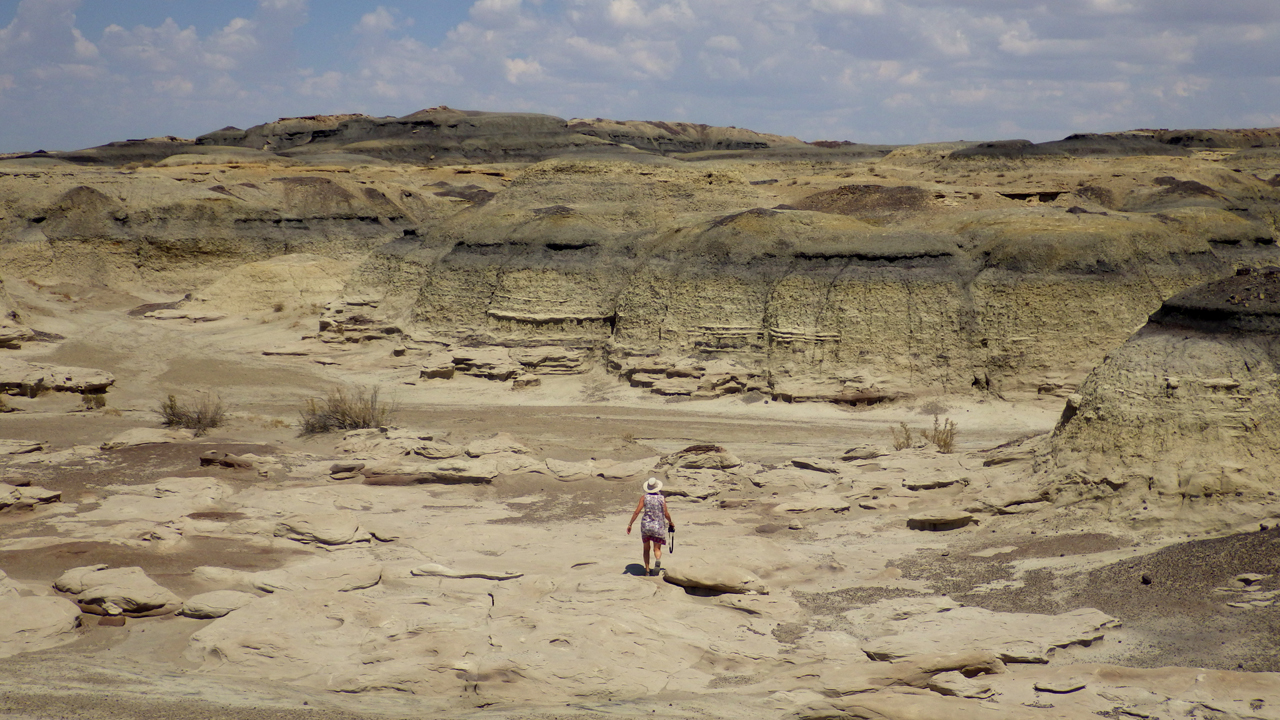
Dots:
(1187, 410)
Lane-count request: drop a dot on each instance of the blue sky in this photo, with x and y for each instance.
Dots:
(78, 73)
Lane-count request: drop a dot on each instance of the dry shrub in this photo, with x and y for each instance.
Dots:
(345, 409)
(943, 435)
(94, 401)
(201, 415)
(902, 437)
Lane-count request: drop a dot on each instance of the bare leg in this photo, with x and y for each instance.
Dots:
(646, 543)
(657, 554)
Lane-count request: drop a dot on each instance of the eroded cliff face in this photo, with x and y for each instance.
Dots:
(892, 293)
(855, 279)
(1186, 411)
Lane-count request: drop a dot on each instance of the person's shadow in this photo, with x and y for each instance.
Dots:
(634, 569)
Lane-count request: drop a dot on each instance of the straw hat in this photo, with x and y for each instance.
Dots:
(652, 485)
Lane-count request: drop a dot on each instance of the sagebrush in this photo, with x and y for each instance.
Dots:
(346, 409)
(901, 437)
(201, 415)
(943, 435)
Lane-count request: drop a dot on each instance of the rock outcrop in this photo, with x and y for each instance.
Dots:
(1188, 409)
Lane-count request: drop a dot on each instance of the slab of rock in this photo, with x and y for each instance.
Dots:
(147, 436)
(1061, 686)
(492, 363)
(935, 481)
(216, 604)
(566, 470)
(387, 442)
(20, 447)
(36, 623)
(550, 360)
(322, 574)
(32, 378)
(819, 464)
(117, 591)
(9, 587)
(323, 529)
(227, 460)
(716, 577)
(696, 484)
(813, 502)
(628, 470)
(940, 521)
(435, 570)
(500, 443)
(701, 457)
(1013, 637)
(865, 452)
(955, 683)
(26, 496)
(914, 672)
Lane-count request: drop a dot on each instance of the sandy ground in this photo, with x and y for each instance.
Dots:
(1046, 564)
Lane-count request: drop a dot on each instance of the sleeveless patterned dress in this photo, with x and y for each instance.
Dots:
(653, 523)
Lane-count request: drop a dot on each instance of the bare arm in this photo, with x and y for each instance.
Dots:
(636, 514)
(665, 511)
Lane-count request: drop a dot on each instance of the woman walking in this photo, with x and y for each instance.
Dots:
(654, 524)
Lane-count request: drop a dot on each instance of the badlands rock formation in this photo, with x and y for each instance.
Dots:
(555, 310)
(1187, 409)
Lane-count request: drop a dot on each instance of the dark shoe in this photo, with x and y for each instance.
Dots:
(654, 572)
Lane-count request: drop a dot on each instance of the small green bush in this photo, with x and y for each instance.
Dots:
(345, 409)
(201, 415)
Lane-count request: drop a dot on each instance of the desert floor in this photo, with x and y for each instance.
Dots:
(1047, 562)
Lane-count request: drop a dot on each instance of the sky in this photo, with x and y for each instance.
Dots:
(79, 73)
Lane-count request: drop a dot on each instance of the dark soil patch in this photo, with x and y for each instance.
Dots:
(1166, 598)
(867, 200)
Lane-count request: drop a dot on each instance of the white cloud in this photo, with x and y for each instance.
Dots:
(852, 7)
(378, 21)
(520, 70)
(723, 43)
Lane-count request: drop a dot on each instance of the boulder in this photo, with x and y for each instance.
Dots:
(117, 591)
(216, 604)
(701, 457)
(36, 623)
(321, 574)
(716, 577)
(323, 529)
